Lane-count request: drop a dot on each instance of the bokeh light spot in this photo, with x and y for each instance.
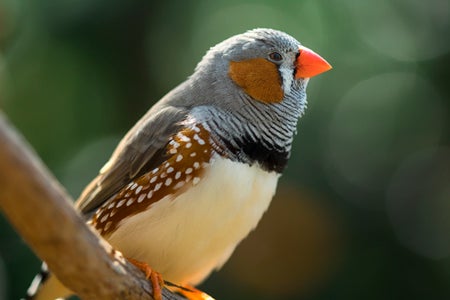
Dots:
(403, 29)
(379, 121)
(295, 249)
(418, 203)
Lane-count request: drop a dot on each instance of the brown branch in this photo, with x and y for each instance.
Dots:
(42, 212)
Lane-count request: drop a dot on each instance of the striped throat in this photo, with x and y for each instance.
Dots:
(251, 136)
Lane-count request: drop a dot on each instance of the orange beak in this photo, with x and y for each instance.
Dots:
(310, 64)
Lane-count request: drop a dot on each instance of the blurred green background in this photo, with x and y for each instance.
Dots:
(363, 211)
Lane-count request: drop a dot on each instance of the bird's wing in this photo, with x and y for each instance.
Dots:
(142, 149)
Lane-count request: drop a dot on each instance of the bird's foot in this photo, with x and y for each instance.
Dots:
(192, 293)
(155, 278)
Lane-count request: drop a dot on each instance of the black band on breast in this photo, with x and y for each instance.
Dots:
(248, 151)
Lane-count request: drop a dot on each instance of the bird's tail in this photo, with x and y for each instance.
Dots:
(46, 286)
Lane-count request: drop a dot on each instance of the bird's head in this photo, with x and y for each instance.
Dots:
(265, 65)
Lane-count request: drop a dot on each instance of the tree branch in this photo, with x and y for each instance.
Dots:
(43, 214)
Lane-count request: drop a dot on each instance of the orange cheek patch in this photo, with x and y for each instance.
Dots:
(259, 78)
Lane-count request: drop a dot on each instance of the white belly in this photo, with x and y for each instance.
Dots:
(187, 237)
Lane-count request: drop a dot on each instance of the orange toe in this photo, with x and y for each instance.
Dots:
(155, 277)
(192, 293)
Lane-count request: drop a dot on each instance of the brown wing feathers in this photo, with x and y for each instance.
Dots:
(188, 152)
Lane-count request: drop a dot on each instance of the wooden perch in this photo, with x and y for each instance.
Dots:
(42, 213)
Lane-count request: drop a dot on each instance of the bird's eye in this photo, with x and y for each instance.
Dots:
(275, 56)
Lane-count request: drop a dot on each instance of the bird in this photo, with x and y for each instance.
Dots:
(196, 173)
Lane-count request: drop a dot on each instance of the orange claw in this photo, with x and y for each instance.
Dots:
(155, 277)
(192, 293)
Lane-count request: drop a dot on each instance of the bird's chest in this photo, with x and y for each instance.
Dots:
(185, 236)
(186, 216)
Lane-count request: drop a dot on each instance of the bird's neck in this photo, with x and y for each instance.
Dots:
(257, 134)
